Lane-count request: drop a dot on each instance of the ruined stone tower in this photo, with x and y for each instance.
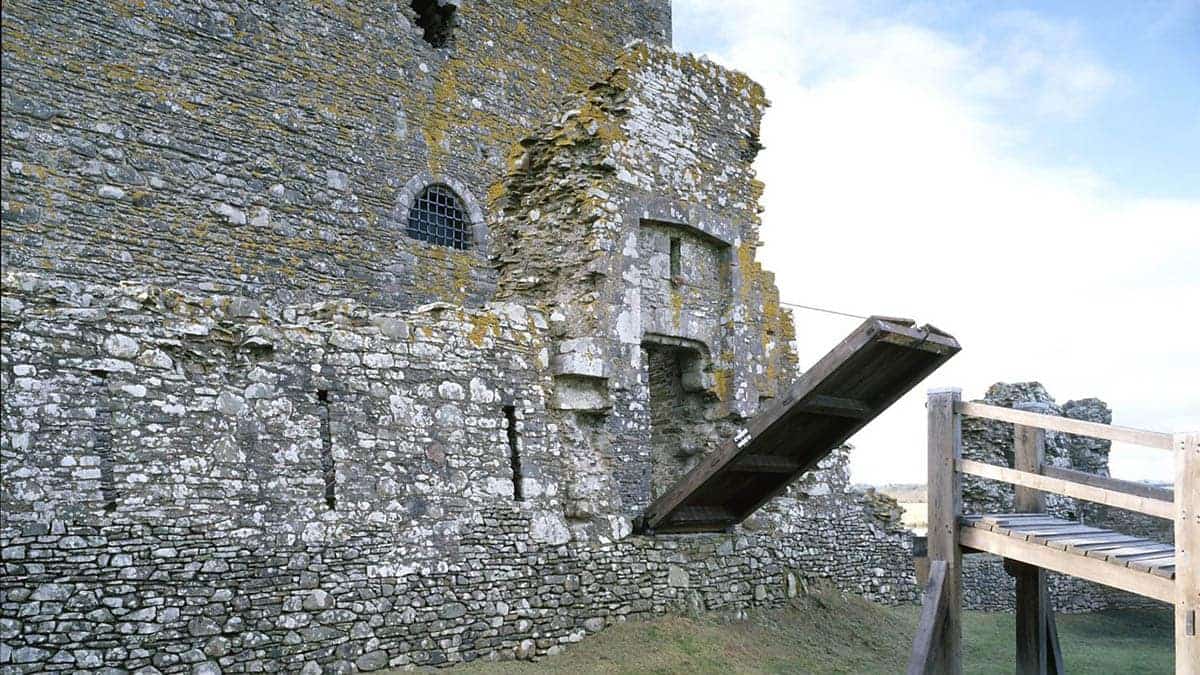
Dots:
(344, 335)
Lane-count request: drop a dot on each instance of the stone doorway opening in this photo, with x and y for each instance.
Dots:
(679, 429)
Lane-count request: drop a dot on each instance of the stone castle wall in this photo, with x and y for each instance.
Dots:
(249, 424)
(268, 148)
(168, 503)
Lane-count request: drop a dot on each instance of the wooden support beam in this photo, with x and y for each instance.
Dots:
(945, 507)
(924, 657)
(703, 514)
(1187, 554)
(1151, 439)
(765, 464)
(1032, 631)
(835, 406)
(1120, 500)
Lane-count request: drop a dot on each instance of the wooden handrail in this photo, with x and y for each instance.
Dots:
(1091, 493)
(1127, 486)
(1152, 439)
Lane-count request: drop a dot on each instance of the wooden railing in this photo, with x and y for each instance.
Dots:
(1032, 477)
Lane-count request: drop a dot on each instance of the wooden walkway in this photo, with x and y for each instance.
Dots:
(1033, 542)
(876, 364)
(1132, 563)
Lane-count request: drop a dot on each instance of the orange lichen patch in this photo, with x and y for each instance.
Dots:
(481, 324)
(676, 306)
(722, 383)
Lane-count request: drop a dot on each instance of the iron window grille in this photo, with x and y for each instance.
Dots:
(438, 217)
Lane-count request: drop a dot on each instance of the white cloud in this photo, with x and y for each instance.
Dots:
(891, 171)
(1029, 59)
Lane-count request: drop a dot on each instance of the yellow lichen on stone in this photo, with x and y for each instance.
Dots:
(481, 324)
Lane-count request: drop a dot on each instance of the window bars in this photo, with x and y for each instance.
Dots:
(438, 217)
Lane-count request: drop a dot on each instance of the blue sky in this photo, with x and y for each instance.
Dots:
(1025, 175)
(1143, 132)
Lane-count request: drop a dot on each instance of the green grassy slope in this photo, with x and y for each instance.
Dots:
(826, 632)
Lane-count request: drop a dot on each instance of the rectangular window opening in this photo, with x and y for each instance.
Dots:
(514, 454)
(676, 263)
(327, 468)
(102, 441)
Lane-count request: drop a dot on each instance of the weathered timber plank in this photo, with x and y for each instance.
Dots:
(694, 479)
(1016, 526)
(1131, 549)
(703, 514)
(1025, 479)
(1117, 541)
(1099, 571)
(765, 464)
(1039, 534)
(1164, 571)
(1007, 518)
(944, 503)
(1149, 561)
(1029, 447)
(1045, 538)
(1054, 658)
(1187, 553)
(924, 657)
(1152, 439)
(1101, 537)
(859, 378)
(834, 405)
(1114, 484)
(880, 405)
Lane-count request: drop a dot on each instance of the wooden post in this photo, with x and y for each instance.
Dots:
(927, 641)
(945, 506)
(1187, 554)
(1029, 448)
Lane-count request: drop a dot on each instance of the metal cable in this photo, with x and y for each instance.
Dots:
(822, 309)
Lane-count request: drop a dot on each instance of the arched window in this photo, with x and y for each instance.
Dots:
(438, 216)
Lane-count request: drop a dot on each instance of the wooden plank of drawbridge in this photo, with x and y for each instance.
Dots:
(1130, 549)
(862, 376)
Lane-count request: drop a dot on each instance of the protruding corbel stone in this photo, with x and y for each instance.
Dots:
(584, 357)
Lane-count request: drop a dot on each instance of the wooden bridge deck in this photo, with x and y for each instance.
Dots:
(1032, 542)
(1123, 561)
(877, 363)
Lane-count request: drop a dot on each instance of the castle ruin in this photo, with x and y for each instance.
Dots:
(341, 336)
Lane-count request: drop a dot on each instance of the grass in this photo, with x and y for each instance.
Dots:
(826, 632)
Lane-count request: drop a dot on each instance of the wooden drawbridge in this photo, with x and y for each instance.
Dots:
(876, 364)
